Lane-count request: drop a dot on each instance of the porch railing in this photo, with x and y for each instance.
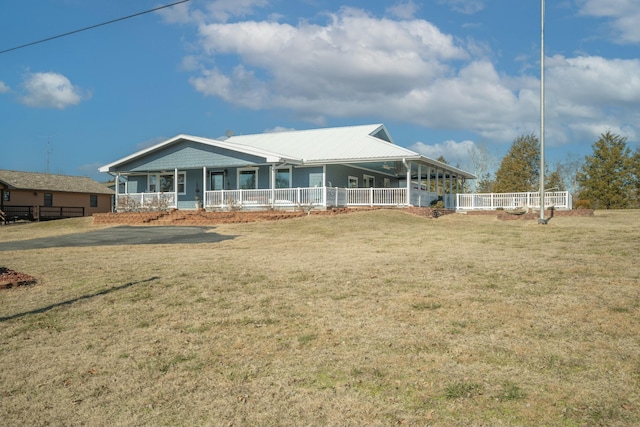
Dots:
(287, 198)
(491, 201)
(377, 196)
(276, 198)
(145, 201)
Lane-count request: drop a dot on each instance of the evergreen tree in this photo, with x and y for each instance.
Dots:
(635, 171)
(519, 170)
(554, 181)
(606, 177)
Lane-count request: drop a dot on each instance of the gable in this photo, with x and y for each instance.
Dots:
(186, 154)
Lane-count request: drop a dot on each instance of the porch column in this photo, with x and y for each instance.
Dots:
(408, 201)
(325, 202)
(437, 184)
(450, 187)
(117, 187)
(273, 185)
(428, 186)
(419, 184)
(457, 190)
(204, 187)
(444, 187)
(175, 185)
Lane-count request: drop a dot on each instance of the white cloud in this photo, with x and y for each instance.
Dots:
(357, 65)
(467, 7)
(404, 10)
(453, 152)
(218, 11)
(624, 16)
(278, 129)
(50, 90)
(3, 88)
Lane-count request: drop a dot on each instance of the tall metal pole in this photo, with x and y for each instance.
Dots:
(542, 219)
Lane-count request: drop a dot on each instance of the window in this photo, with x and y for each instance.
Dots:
(152, 183)
(316, 179)
(7, 196)
(387, 183)
(217, 181)
(48, 199)
(93, 201)
(368, 181)
(353, 182)
(163, 183)
(166, 183)
(283, 178)
(247, 179)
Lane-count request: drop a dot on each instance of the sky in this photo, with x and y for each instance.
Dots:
(446, 77)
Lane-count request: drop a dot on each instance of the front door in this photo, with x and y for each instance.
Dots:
(368, 181)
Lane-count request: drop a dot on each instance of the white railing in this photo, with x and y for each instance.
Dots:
(265, 198)
(376, 196)
(145, 201)
(490, 201)
(336, 197)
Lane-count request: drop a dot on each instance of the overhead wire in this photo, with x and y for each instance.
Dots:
(91, 27)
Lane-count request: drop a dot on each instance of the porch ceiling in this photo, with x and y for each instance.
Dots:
(396, 168)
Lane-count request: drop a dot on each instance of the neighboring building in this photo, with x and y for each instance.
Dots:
(317, 168)
(42, 196)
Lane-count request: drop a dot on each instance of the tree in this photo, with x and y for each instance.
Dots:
(519, 170)
(554, 181)
(483, 165)
(635, 171)
(607, 178)
(569, 170)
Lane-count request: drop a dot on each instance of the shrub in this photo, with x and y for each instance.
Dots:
(583, 204)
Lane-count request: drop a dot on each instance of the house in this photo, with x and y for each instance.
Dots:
(317, 168)
(43, 196)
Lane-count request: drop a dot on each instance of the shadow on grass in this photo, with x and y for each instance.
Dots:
(74, 300)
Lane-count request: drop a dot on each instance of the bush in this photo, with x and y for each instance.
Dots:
(583, 204)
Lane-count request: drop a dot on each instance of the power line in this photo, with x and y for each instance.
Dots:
(91, 27)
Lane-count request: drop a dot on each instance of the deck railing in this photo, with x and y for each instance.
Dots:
(491, 201)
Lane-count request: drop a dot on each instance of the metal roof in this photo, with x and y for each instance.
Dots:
(350, 143)
(15, 180)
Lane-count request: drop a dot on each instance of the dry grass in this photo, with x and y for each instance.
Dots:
(373, 318)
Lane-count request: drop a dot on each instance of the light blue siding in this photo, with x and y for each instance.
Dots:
(188, 155)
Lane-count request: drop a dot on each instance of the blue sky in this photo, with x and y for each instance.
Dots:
(446, 77)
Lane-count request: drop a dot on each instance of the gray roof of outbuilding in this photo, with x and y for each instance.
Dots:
(15, 180)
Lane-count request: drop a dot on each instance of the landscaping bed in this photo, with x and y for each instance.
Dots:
(10, 278)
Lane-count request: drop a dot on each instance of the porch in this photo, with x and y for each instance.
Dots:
(288, 199)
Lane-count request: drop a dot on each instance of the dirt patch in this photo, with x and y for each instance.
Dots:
(10, 278)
